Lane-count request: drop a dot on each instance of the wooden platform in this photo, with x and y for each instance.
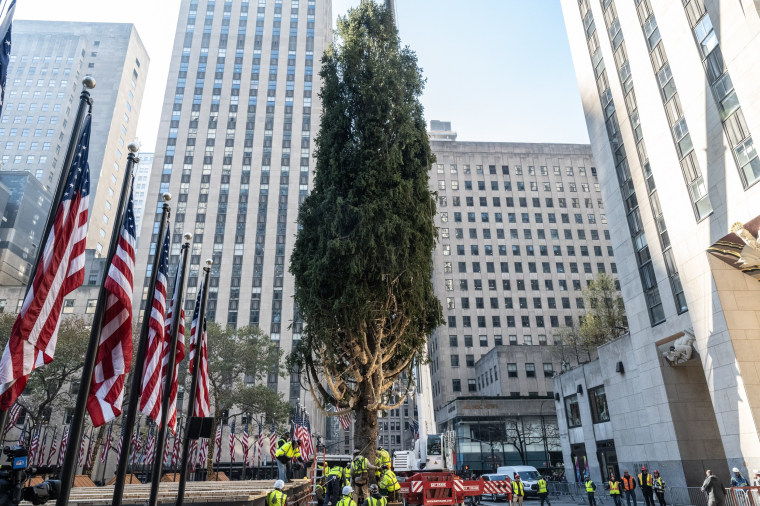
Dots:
(211, 493)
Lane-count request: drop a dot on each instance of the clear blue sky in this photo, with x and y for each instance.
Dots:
(499, 70)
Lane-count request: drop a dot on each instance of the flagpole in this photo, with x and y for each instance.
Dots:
(137, 369)
(158, 461)
(201, 325)
(85, 105)
(80, 410)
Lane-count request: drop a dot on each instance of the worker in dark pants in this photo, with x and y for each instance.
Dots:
(646, 483)
(590, 489)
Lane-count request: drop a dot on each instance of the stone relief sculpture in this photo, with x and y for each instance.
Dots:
(680, 350)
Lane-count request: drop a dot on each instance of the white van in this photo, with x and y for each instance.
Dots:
(528, 475)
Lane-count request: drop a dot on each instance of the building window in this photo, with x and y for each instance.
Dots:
(91, 303)
(511, 370)
(548, 370)
(573, 411)
(598, 399)
(472, 386)
(68, 306)
(456, 385)
(454, 360)
(530, 370)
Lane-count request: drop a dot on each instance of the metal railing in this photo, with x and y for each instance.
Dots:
(674, 496)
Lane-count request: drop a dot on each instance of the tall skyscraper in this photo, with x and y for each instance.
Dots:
(670, 93)
(142, 179)
(47, 65)
(234, 148)
(523, 229)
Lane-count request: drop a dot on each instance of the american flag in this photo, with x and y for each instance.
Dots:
(261, 446)
(345, 421)
(90, 450)
(12, 417)
(180, 354)
(121, 444)
(35, 445)
(203, 454)
(6, 18)
(148, 457)
(60, 270)
(53, 448)
(114, 356)
(415, 428)
(302, 431)
(106, 445)
(177, 444)
(273, 443)
(64, 444)
(150, 400)
(80, 459)
(232, 441)
(201, 393)
(218, 443)
(40, 457)
(245, 445)
(193, 453)
(136, 447)
(167, 453)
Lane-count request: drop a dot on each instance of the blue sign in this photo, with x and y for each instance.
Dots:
(19, 463)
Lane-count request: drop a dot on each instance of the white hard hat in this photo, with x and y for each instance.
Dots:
(755, 471)
(347, 490)
(279, 484)
(736, 469)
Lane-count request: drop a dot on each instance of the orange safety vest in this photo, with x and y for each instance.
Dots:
(648, 483)
(628, 483)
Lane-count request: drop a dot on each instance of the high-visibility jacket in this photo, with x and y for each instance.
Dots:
(280, 442)
(288, 450)
(645, 480)
(276, 498)
(590, 486)
(518, 488)
(659, 484)
(347, 474)
(376, 501)
(320, 490)
(389, 481)
(359, 465)
(614, 487)
(542, 486)
(346, 500)
(628, 483)
(335, 471)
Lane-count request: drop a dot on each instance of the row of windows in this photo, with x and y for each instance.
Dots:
(30, 120)
(33, 146)
(539, 321)
(522, 303)
(530, 250)
(485, 217)
(532, 185)
(498, 340)
(527, 233)
(517, 169)
(532, 267)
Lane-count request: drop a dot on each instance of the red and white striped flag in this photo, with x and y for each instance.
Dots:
(232, 441)
(35, 445)
(245, 445)
(12, 417)
(114, 356)
(180, 354)
(203, 454)
(193, 453)
(177, 445)
(345, 421)
(148, 457)
(64, 444)
(261, 456)
(201, 393)
(167, 452)
(53, 448)
(218, 443)
(106, 445)
(150, 400)
(60, 270)
(273, 443)
(121, 445)
(80, 458)
(40, 457)
(136, 447)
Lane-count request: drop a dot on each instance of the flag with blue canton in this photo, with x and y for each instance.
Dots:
(6, 18)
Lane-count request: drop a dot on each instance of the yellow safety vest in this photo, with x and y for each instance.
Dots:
(276, 498)
(389, 481)
(288, 451)
(518, 488)
(659, 484)
(589, 486)
(541, 486)
(649, 480)
(346, 500)
(614, 487)
(377, 501)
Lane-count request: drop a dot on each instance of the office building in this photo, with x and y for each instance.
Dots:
(235, 151)
(140, 192)
(523, 229)
(670, 93)
(24, 205)
(47, 65)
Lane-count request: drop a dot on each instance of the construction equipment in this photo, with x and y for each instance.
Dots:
(446, 489)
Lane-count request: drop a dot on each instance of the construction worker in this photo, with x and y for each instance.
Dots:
(737, 480)
(285, 454)
(375, 498)
(348, 497)
(359, 479)
(645, 482)
(284, 439)
(389, 485)
(333, 486)
(755, 478)
(659, 487)
(347, 474)
(518, 491)
(381, 459)
(629, 487)
(543, 491)
(615, 490)
(277, 497)
(590, 488)
(320, 491)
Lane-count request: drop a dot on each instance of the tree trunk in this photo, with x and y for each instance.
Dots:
(365, 428)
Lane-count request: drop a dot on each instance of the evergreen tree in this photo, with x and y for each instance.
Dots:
(363, 255)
